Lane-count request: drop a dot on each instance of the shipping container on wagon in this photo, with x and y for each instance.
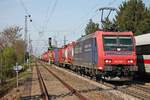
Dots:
(45, 56)
(56, 54)
(70, 52)
(60, 59)
(51, 56)
(64, 54)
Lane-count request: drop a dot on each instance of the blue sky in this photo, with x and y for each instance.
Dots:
(53, 18)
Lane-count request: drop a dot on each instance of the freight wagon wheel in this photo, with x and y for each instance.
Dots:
(92, 74)
(98, 77)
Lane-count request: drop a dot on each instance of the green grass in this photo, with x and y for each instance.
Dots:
(12, 82)
(22, 75)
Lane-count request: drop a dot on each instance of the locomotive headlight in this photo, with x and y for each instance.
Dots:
(130, 61)
(108, 61)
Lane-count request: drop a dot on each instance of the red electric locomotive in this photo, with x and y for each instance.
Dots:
(108, 55)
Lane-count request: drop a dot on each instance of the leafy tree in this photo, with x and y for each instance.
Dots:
(91, 27)
(11, 51)
(133, 16)
(108, 25)
(9, 61)
(19, 47)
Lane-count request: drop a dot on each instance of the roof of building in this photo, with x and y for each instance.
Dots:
(143, 39)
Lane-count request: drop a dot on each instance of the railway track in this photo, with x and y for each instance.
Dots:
(136, 91)
(43, 88)
(143, 88)
(73, 90)
(93, 91)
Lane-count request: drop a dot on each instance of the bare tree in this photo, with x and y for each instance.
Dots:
(9, 36)
(10, 44)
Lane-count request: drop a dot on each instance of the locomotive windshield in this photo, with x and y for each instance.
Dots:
(118, 43)
(125, 41)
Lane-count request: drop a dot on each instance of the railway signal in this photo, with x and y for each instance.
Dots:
(50, 41)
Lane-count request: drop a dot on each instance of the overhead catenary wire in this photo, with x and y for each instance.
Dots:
(49, 15)
(84, 23)
(95, 8)
(86, 19)
(24, 7)
(27, 13)
(46, 15)
(106, 11)
(111, 2)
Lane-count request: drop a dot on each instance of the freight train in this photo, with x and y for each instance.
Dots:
(103, 55)
(48, 56)
(143, 54)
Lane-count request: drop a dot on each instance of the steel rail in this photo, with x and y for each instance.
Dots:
(135, 94)
(145, 89)
(119, 88)
(127, 91)
(43, 88)
(74, 91)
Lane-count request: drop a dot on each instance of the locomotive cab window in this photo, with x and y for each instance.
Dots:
(110, 40)
(125, 41)
(112, 43)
